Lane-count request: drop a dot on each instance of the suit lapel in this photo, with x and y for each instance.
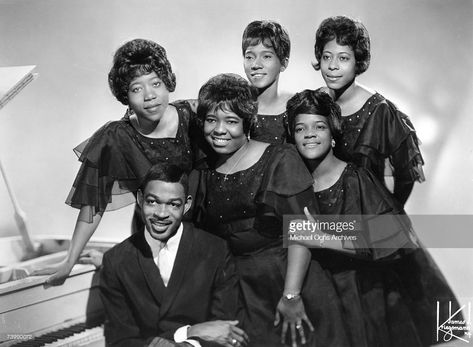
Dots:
(150, 270)
(181, 264)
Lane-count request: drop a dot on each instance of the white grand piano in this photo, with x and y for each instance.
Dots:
(32, 314)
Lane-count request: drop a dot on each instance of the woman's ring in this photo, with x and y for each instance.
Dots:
(234, 342)
(298, 326)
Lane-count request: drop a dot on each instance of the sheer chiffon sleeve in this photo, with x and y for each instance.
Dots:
(385, 228)
(112, 167)
(389, 133)
(117, 157)
(287, 183)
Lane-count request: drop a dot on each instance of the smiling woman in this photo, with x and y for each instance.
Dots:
(266, 48)
(243, 197)
(375, 134)
(388, 264)
(148, 97)
(117, 157)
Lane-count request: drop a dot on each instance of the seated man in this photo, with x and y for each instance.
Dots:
(171, 281)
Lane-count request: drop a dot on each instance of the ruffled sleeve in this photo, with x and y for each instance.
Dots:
(385, 228)
(389, 134)
(406, 158)
(112, 168)
(287, 184)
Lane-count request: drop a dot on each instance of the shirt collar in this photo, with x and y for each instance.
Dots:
(172, 244)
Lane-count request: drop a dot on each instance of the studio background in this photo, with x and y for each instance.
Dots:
(421, 59)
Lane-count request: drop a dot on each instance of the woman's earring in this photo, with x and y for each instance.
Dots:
(129, 111)
(333, 143)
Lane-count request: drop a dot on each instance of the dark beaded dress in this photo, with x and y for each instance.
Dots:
(117, 157)
(382, 139)
(246, 208)
(270, 128)
(374, 301)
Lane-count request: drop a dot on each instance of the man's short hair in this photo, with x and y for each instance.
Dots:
(166, 173)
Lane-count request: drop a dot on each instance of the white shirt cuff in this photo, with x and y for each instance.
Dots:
(181, 336)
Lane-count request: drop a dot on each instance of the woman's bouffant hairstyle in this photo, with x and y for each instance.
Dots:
(229, 92)
(270, 34)
(314, 102)
(348, 32)
(136, 58)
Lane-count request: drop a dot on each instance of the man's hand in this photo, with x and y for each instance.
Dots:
(225, 333)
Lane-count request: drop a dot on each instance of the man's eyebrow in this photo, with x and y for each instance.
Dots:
(156, 197)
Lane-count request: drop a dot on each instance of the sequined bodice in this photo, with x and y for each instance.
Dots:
(232, 196)
(270, 128)
(352, 126)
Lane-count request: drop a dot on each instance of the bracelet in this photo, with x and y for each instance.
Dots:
(292, 296)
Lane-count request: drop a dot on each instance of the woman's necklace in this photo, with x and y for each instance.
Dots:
(239, 159)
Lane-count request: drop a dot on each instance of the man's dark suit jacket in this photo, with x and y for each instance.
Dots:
(203, 286)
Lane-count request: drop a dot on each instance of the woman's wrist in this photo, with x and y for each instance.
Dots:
(69, 263)
(291, 290)
(291, 295)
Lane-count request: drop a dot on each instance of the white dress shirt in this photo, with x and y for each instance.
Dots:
(166, 256)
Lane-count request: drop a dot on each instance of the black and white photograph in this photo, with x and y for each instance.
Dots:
(236, 173)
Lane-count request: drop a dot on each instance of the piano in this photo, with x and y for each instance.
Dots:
(32, 314)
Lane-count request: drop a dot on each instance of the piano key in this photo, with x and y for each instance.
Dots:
(84, 338)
